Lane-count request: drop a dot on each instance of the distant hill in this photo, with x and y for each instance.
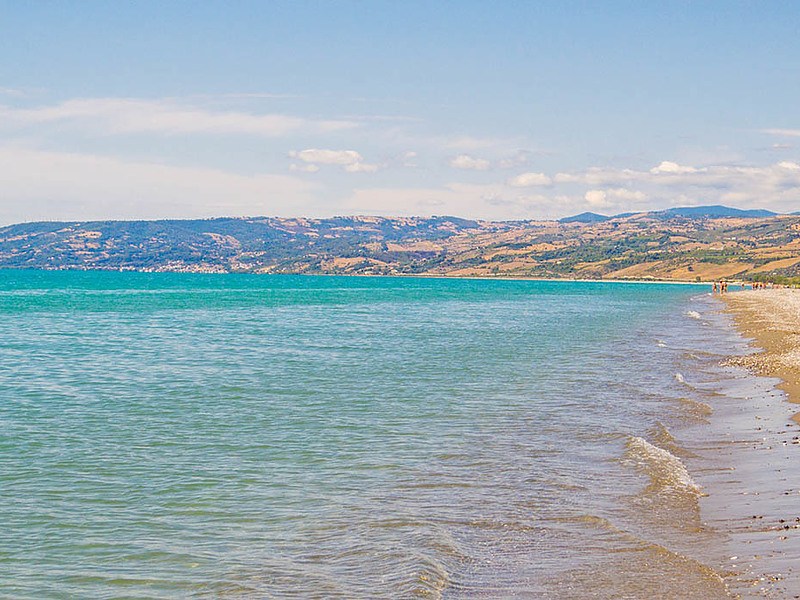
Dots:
(711, 212)
(585, 217)
(697, 243)
(686, 212)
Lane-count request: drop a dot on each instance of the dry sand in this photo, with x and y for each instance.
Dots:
(772, 318)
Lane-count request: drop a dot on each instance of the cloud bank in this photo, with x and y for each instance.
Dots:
(114, 116)
(127, 168)
(63, 186)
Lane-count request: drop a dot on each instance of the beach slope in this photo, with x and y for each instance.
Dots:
(772, 318)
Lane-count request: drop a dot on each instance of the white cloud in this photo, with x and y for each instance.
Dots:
(613, 197)
(782, 132)
(775, 186)
(327, 157)
(167, 117)
(626, 195)
(596, 176)
(469, 163)
(350, 160)
(309, 168)
(530, 180)
(672, 168)
(670, 174)
(360, 167)
(409, 159)
(40, 185)
(597, 198)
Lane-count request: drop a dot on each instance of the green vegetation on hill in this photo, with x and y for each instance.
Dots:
(648, 245)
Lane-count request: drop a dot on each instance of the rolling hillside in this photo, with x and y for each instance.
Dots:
(681, 244)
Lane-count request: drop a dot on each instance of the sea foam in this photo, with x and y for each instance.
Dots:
(666, 471)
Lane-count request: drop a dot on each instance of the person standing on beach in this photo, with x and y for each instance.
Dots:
(714, 288)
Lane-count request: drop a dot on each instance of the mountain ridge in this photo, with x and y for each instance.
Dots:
(715, 211)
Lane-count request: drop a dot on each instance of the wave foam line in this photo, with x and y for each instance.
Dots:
(664, 468)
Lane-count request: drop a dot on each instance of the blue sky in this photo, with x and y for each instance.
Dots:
(506, 110)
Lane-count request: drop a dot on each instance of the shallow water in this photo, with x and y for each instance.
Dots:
(166, 435)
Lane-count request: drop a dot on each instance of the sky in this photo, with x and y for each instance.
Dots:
(489, 110)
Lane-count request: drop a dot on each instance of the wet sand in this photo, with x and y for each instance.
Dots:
(754, 489)
(772, 318)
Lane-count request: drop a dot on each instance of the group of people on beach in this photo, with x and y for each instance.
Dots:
(720, 287)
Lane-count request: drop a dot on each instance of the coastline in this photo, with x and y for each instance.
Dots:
(771, 318)
(749, 446)
(550, 279)
(377, 276)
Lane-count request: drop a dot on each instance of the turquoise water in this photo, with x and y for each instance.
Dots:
(171, 435)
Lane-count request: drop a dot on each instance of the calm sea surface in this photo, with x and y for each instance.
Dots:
(169, 435)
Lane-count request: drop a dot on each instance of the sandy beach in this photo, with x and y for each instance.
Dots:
(772, 318)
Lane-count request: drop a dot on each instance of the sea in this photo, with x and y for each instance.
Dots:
(168, 435)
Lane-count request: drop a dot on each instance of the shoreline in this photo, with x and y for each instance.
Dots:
(771, 319)
(375, 276)
(749, 446)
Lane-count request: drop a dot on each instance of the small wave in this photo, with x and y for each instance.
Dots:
(666, 471)
(656, 552)
(661, 343)
(665, 440)
(697, 408)
(694, 314)
(662, 435)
